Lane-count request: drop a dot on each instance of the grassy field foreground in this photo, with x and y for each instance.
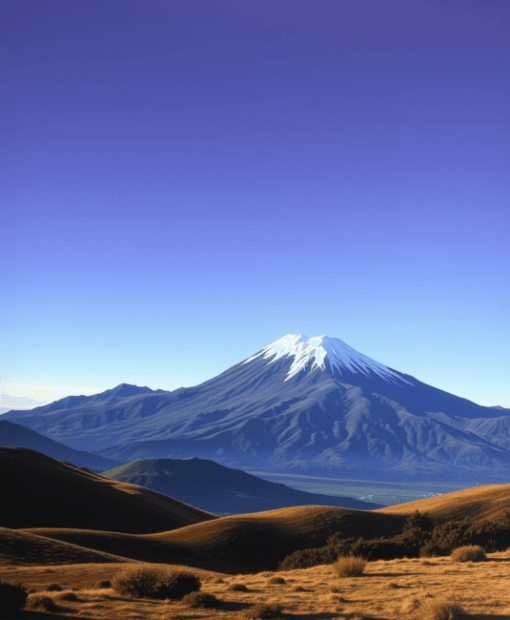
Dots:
(388, 590)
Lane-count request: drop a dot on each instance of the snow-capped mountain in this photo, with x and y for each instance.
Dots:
(308, 405)
(318, 351)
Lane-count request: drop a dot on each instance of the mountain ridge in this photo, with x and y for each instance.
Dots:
(345, 416)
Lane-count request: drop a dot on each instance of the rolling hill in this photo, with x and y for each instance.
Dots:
(38, 491)
(238, 544)
(23, 548)
(219, 489)
(481, 503)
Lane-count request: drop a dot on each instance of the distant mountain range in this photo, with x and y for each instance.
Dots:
(17, 436)
(305, 405)
(221, 490)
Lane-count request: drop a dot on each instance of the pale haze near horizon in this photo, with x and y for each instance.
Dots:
(188, 182)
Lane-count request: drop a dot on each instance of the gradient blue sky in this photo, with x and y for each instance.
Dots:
(185, 181)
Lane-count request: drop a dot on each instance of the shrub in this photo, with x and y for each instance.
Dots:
(146, 582)
(264, 611)
(42, 603)
(417, 521)
(383, 548)
(440, 610)
(176, 585)
(136, 580)
(201, 600)
(54, 587)
(237, 587)
(279, 580)
(12, 597)
(431, 551)
(103, 584)
(349, 566)
(470, 553)
(306, 558)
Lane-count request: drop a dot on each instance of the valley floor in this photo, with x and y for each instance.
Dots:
(380, 492)
(387, 591)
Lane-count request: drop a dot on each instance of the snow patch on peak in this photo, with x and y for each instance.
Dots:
(316, 350)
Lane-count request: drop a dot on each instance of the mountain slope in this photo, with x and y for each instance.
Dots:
(309, 405)
(222, 490)
(17, 436)
(37, 491)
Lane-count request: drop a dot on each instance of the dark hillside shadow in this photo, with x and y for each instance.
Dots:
(326, 615)
(46, 615)
(489, 617)
(390, 574)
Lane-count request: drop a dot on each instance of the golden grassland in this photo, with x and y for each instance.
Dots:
(488, 502)
(385, 591)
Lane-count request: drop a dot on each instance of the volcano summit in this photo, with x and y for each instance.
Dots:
(302, 405)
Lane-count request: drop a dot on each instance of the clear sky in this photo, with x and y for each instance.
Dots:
(185, 181)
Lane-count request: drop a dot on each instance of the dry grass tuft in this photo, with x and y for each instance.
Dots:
(264, 611)
(349, 566)
(409, 606)
(469, 553)
(201, 600)
(68, 596)
(144, 581)
(440, 610)
(279, 580)
(40, 602)
(54, 587)
(237, 587)
(137, 580)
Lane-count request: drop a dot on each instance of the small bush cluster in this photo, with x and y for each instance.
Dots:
(349, 566)
(278, 580)
(40, 602)
(419, 538)
(237, 587)
(470, 553)
(54, 587)
(147, 582)
(430, 550)
(201, 600)
(13, 597)
(439, 610)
